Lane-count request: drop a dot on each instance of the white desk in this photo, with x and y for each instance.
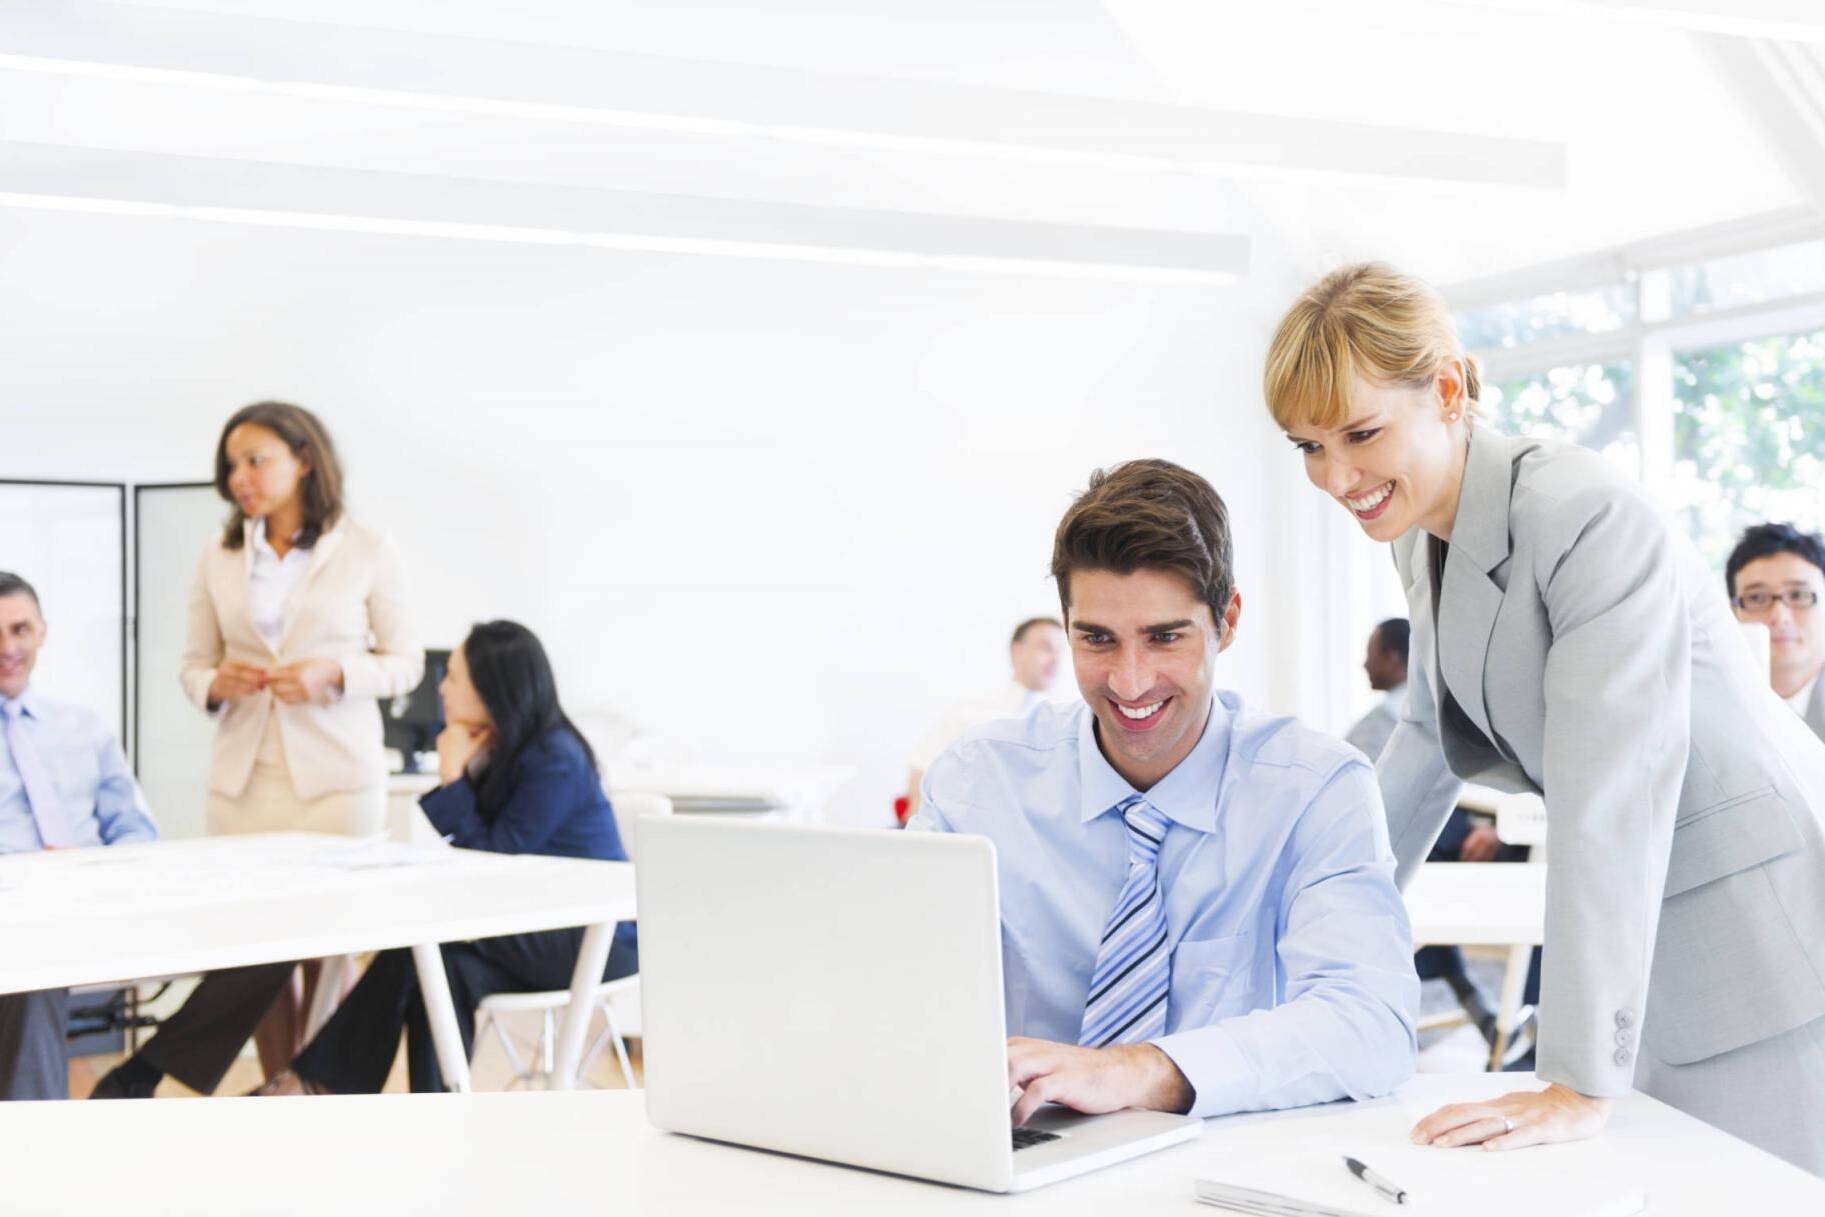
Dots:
(1478, 903)
(593, 1152)
(74, 917)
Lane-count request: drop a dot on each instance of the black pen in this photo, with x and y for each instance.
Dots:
(1386, 1189)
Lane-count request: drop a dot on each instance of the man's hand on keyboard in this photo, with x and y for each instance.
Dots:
(1094, 1080)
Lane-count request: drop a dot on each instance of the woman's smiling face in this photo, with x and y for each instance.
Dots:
(1398, 459)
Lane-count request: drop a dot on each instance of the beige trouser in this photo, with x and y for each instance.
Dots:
(270, 804)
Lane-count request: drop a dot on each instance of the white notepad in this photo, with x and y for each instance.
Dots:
(1294, 1168)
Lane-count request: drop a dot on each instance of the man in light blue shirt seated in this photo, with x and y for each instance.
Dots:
(64, 784)
(1197, 902)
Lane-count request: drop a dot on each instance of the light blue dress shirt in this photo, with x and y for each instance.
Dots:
(97, 797)
(1292, 960)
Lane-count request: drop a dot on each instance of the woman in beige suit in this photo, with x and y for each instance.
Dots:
(1566, 641)
(298, 627)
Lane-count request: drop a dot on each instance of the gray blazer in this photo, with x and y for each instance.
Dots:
(1815, 709)
(1582, 651)
(1369, 735)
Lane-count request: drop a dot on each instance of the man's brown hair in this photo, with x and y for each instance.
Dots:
(1148, 515)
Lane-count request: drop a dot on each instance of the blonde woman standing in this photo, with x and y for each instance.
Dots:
(298, 627)
(1565, 641)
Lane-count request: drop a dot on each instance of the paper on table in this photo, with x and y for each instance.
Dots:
(1294, 1168)
(379, 853)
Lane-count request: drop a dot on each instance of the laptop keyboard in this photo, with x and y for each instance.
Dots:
(1027, 1138)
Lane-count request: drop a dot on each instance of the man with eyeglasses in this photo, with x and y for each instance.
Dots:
(1776, 575)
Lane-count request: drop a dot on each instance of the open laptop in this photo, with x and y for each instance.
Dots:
(837, 993)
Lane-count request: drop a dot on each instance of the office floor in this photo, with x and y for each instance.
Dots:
(491, 1070)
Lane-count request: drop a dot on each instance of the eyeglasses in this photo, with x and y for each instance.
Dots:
(1797, 598)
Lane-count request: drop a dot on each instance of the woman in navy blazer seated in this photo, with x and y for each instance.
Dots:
(517, 778)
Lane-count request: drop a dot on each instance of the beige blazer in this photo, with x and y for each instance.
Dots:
(1582, 650)
(350, 607)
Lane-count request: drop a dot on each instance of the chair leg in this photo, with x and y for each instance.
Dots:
(620, 1043)
(548, 1047)
(520, 1072)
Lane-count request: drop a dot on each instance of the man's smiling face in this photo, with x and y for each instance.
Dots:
(1144, 647)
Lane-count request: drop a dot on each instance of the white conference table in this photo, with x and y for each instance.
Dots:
(1478, 903)
(79, 917)
(593, 1152)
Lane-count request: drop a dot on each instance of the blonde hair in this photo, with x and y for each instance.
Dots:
(1366, 320)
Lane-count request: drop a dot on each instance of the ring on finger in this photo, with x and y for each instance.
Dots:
(1507, 1124)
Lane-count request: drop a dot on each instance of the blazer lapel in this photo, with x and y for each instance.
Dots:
(1469, 599)
(326, 546)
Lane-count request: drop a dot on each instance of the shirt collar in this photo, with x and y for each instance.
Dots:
(28, 701)
(256, 538)
(1802, 697)
(1187, 795)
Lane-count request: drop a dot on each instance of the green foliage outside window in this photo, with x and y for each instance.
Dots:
(1586, 404)
(1749, 437)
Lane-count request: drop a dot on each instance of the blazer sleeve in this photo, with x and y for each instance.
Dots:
(546, 789)
(1618, 692)
(1418, 788)
(203, 647)
(397, 661)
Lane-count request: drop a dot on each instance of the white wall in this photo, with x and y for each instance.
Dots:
(772, 512)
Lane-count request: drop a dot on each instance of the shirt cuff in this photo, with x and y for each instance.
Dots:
(1212, 1060)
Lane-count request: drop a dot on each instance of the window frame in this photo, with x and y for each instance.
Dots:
(1650, 341)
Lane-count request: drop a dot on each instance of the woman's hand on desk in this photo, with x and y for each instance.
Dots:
(457, 745)
(1529, 1117)
(235, 679)
(308, 680)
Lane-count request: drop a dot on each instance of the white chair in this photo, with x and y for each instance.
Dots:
(630, 807)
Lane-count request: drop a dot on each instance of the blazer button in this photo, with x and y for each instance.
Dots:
(1624, 1019)
(1622, 1038)
(1622, 1056)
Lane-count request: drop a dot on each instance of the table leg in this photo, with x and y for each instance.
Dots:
(330, 983)
(592, 958)
(440, 1012)
(1508, 1007)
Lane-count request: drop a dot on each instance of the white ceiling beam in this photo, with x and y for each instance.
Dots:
(567, 84)
(56, 177)
(1622, 264)
(1791, 20)
(1781, 86)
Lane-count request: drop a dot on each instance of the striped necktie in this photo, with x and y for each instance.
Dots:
(1127, 1002)
(40, 791)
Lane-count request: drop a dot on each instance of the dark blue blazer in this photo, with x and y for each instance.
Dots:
(555, 806)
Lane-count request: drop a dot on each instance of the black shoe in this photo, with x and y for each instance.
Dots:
(131, 1079)
(1476, 1009)
(1519, 1058)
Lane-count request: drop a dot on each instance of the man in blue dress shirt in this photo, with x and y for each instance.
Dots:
(64, 784)
(1198, 903)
